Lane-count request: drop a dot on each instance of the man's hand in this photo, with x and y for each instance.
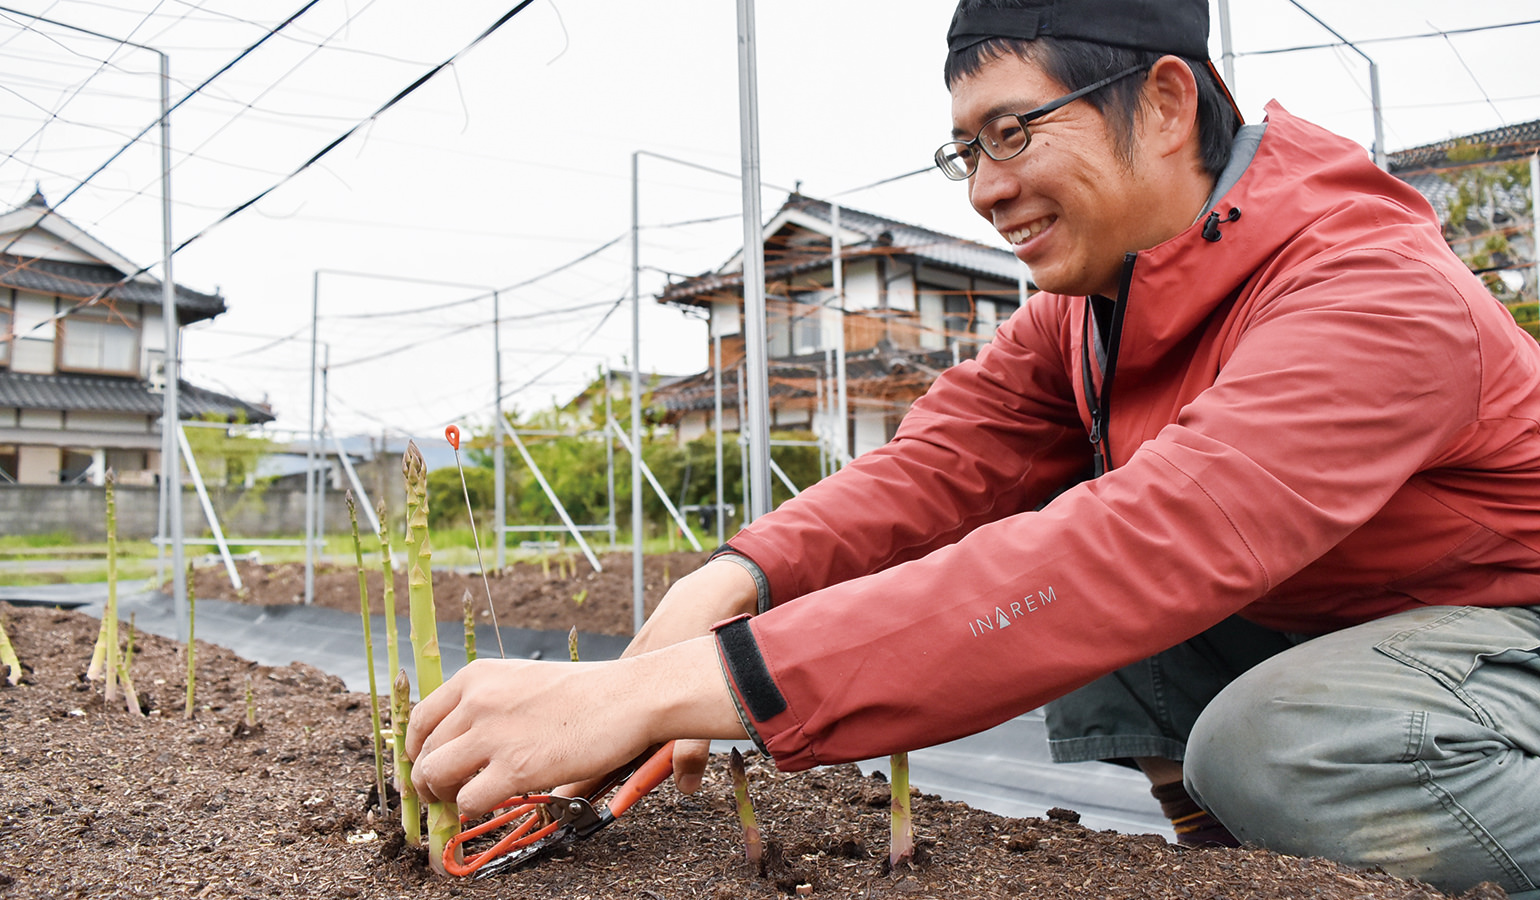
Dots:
(505, 727)
(716, 591)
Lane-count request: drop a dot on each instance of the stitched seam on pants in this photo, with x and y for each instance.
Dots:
(1480, 835)
(1416, 727)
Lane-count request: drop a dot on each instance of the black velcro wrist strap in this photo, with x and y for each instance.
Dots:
(749, 672)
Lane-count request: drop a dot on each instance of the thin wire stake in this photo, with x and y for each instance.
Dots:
(452, 434)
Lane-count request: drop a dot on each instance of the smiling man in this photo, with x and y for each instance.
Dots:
(1249, 494)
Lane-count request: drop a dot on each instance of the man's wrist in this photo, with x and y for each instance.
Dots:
(686, 694)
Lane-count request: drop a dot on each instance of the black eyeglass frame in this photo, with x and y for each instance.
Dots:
(943, 162)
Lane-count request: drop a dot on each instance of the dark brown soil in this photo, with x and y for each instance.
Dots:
(563, 593)
(100, 804)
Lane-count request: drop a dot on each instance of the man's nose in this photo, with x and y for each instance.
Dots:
(992, 183)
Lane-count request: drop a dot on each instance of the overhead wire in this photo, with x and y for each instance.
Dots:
(398, 97)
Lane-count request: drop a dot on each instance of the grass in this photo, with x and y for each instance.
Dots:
(84, 563)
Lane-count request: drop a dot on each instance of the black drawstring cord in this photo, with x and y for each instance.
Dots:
(1211, 227)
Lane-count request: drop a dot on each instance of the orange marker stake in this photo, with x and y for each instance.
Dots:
(452, 435)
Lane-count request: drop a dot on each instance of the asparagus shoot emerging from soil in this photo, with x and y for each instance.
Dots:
(110, 614)
(400, 715)
(901, 848)
(130, 696)
(443, 817)
(8, 658)
(572, 644)
(392, 651)
(374, 694)
(251, 705)
(187, 708)
(467, 606)
(753, 847)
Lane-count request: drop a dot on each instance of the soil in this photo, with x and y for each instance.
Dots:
(561, 593)
(100, 803)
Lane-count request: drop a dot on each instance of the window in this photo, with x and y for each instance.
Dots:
(99, 341)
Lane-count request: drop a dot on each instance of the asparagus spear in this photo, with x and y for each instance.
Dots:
(374, 694)
(187, 708)
(753, 846)
(901, 846)
(400, 716)
(443, 816)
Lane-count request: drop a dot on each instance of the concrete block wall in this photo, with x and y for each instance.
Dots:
(81, 511)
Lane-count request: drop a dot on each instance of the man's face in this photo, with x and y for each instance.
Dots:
(1069, 205)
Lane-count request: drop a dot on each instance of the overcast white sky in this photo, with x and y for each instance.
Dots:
(517, 160)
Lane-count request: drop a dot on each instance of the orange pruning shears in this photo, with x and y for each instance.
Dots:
(542, 823)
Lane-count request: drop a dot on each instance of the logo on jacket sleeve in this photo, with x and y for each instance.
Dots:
(1001, 617)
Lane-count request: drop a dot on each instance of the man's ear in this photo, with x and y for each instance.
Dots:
(1170, 109)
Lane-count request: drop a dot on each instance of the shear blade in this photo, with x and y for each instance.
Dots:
(517, 858)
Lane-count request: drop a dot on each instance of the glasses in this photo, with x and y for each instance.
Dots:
(1004, 137)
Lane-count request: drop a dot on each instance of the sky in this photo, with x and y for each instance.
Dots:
(511, 168)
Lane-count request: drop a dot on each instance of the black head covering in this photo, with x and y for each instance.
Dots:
(1178, 27)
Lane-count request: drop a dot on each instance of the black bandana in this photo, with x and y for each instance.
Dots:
(1179, 27)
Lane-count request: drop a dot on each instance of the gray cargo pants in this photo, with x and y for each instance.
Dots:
(1411, 743)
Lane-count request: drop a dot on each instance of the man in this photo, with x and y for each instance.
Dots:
(1303, 581)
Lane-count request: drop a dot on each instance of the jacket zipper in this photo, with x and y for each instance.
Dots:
(1100, 404)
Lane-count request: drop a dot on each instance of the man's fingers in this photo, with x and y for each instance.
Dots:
(427, 714)
(446, 765)
(479, 795)
(690, 764)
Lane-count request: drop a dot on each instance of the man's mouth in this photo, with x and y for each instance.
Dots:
(1030, 230)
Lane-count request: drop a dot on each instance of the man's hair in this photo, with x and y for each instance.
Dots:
(1076, 64)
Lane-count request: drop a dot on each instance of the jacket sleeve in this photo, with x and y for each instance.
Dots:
(993, 436)
(1336, 390)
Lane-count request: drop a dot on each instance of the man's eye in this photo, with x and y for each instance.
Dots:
(1009, 135)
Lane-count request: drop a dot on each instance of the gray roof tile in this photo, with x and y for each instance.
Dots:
(98, 393)
(81, 280)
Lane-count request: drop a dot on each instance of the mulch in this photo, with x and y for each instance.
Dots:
(99, 803)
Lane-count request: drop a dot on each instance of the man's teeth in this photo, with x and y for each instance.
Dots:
(1032, 230)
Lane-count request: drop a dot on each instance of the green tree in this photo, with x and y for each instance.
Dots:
(446, 496)
(1491, 204)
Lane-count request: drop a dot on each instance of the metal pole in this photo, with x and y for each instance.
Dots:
(743, 443)
(842, 398)
(609, 451)
(499, 465)
(170, 513)
(637, 603)
(758, 387)
(1374, 85)
(172, 412)
(1226, 47)
(1534, 222)
(323, 465)
(1379, 119)
(315, 302)
(716, 386)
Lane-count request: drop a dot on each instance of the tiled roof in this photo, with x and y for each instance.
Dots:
(98, 393)
(1508, 142)
(81, 280)
(872, 373)
(1425, 168)
(882, 236)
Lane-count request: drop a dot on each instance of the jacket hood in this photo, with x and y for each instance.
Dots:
(1301, 176)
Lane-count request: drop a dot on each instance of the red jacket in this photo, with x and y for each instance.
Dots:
(1318, 419)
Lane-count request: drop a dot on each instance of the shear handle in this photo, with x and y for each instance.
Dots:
(649, 775)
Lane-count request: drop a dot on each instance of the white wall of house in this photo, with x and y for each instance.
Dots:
(861, 284)
(725, 318)
(108, 421)
(37, 464)
(871, 429)
(900, 285)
